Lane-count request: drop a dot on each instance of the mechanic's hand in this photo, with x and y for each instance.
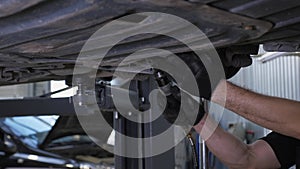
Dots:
(171, 112)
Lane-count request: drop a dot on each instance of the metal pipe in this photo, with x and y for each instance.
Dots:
(203, 154)
(203, 150)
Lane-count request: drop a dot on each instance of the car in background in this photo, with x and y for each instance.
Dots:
(35, 141)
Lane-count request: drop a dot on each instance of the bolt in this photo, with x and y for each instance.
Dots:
(143, 99)
(250, 27)
(116, 115)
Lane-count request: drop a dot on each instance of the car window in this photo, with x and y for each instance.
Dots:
(31, 129)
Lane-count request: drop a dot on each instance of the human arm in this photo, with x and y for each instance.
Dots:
(236, 154)
(277, 114)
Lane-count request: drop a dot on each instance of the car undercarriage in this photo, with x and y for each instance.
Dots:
(40, 40)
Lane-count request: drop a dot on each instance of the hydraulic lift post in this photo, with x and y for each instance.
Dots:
(143, 130)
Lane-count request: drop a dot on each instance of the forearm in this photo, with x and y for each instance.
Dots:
(277, 114)
(229, 149)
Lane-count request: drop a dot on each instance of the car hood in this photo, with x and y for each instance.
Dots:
(64, 126)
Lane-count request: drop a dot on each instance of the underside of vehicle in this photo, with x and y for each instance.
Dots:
(40, 40)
